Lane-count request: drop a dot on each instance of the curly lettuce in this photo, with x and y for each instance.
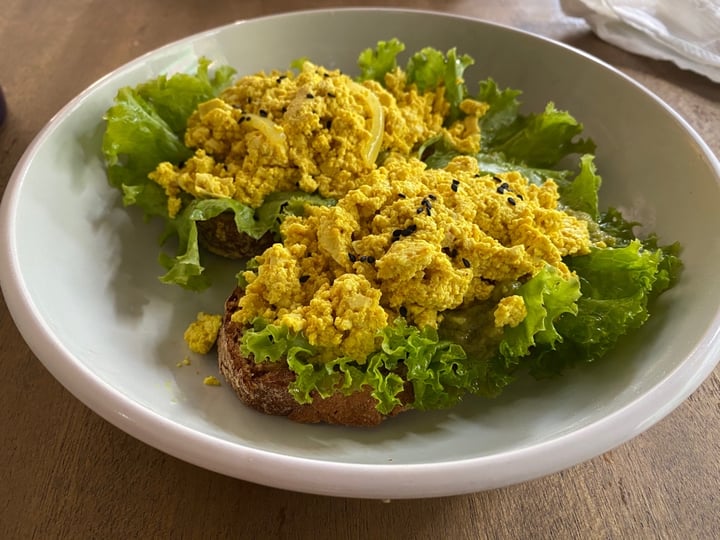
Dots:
(436, 369)
(428, 69)
(572, 318)
(617, 285)
(146, 126)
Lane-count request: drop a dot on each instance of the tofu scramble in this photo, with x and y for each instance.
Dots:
(412, 242)
(425, 240)
(318, 131)
(403, 240)
(201, 334)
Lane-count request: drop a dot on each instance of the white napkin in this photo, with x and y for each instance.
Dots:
(686, 32)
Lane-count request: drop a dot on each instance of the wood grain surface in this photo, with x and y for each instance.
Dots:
(66, 473)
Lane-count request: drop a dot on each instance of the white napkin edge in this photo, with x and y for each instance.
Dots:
(642, 40)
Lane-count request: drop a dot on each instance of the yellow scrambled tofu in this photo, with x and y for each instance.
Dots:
(409, 241)
(318, 131)
(202, 333)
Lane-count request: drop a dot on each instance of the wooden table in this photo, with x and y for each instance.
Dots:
(65, 472)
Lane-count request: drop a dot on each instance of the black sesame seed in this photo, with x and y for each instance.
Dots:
(330, 95)
(502, 188)
(466, 263)
(309, 95)
(519, 196)
(420, 210)
(304, 278)
(363, 258)
(284, 110)
(427, 210)
(371, 259)
(402, 196)
(328, 123)
(326, 74)
(280, 78)
(397, 233)
(497, 179)
(352, 257)
(263, 113)
(511, 201)
(432, 197)
(403, 311)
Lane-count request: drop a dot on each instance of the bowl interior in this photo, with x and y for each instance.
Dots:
(99, 314)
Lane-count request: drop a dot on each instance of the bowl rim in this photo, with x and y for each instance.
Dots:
(382, 481)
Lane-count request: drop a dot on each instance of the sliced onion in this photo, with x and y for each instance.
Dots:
(377, 124)
(273, 133)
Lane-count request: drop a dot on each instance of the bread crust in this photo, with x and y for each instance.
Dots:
(219, 235)
(264, 386)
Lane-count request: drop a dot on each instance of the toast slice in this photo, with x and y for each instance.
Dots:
(220, 236)
(264, 386)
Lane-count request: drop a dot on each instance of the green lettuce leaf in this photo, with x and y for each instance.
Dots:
(438, 152)
(375, 63)
(269, 343)
(145, 126)
(616, 285)
(185, 268)
(670, 266)
(429, 68)
(547, 295)
(436, 369)
(542, 140)
(136, 139)
(621, 233)
(498, 123)
(531, 144)
(277, 205)
(581, 194)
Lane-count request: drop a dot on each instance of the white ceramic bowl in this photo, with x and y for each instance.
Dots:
(79, 275)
